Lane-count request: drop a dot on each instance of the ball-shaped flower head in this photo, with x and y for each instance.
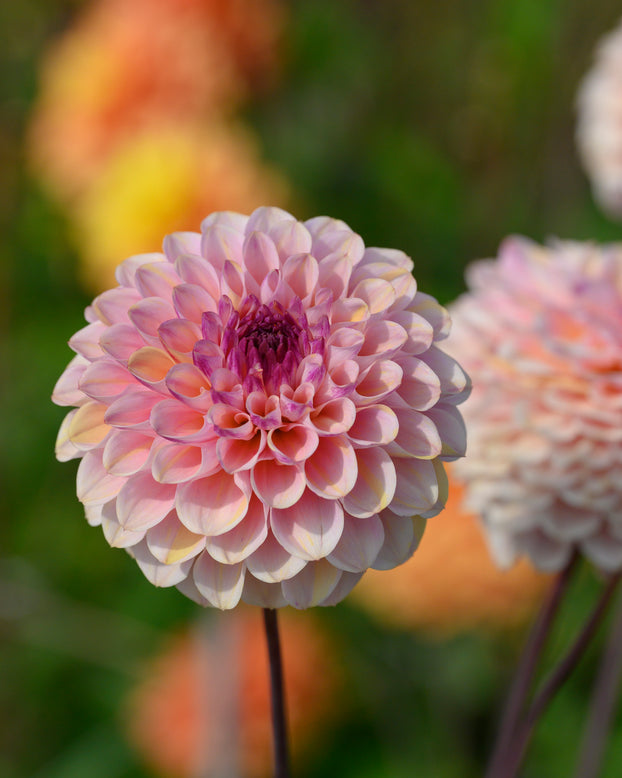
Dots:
(541, 334)
(599, 125)
(263, 411)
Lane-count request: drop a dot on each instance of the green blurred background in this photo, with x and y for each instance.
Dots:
(437, 128)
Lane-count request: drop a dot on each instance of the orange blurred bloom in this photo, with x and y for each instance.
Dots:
(128, 64)
(204, 706)
(164, 181)
(451, 584)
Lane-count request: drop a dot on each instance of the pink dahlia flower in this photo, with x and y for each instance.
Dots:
(262, 410)
(540, 332)
(599, 126)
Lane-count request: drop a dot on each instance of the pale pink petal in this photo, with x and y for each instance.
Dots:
(401, 537)
(383, 339)
(178, 243)
(125, 273)
(175, 421)
(267, 218)
(212, 505)
(86, 341)
(221, 243)
(292, 443)
(221, 585)
(170, 542)
(112, 306)
(197, 272)
(64, 448)
(150, 366)
(429, 308)
(421, 387)
(334, 274)
(67, 391)
(348, 310)
(375, 485)
(301, 273)
(454, 380)
(116, 535)
(179, 336)
(451, 427)
(360, 542)
(126, 451)
(347, 582)
(377, 381)
(343, 344)
(154, 571)
(376, 293)
(188, 588)
(190, 385)
(148, 314)
(240, 542)
(120, 341)
(94, 483)
(314, 583)
(260, 256)
(156, 279)
(311, 528)
(262, 595)
(334, 416)
(290, 237)
(374, 425)
(236, 221)
(192, 301)
(417, 486)
(271, 563)
(232, 282)
(332, 470)
(105, 379)
(419, 331)
(240, 453)
(278, 486)
(176, 463)
(417, 435)
(143, 502)
(132, 409)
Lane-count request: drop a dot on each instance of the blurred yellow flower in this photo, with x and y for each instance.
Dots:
(164, 181)
(451, 584)
(124, 66)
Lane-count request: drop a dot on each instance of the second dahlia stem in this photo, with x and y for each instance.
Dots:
(277, 695)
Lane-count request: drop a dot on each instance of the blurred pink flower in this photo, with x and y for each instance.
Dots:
(599, 126)
(263, 411)
(541, 334)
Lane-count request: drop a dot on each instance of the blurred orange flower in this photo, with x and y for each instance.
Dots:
(451, 584)
(124, 66)
(204, 705)
(164, 181)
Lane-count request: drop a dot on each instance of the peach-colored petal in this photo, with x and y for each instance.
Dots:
(212, 505)
(309, 529)
(300, 271)
(87, 428)
(279, 486)
(126, 451)
(176, 463)
(175, 421)
(293, 443)
(178, 336)
(419, 331)
(190, 385)
(151, 365)
(261, 594)
(112, 306)
(116, 535)
(375, 484)
(240, 453)
(199, 273)
(154, 571)
(331, 471)
(334, 417)
(64, 448)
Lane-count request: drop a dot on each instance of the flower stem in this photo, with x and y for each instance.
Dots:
(279, 728)
(605, 694)
(525, 672)
(555, 680)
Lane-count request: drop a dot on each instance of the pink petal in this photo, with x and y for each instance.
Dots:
(151, 365)
(401, 537)
(156, 279)
(425, 305)
(271, 563)
(452, 429)
(260, 256)
(105, 379)
(212, 505)
(377, 381)
(313, 584)
(87, 428)
(311, 528)
(343, 344)
(347, 582)
(94, 483)
(374, 425)
(348, 310)
(240, 542)
(240, 454)
(454, 380)
(266, 219)
(232, 282)
(221, 585)
(290, 237)
(339, 381)
(276, 485)
(376, 293)
(179, 336)
(360, 542)
(301, 273)
(116, 535)
(231, 422)
(190, 385)
(112, 306)
(120, 341)
(334, 273)
(334, 417)
(332, 471)
(292, 443)
(170, 542)
(265, 412)
(419, 331)
(420, 388)
(417, 435)
(175, 421)
(178, 243)
(375, 485)
(220, 243)
(192, 301)
(66, 391)
(417, 486)
(148, 314)
(154, 571)
(382, 339)
(262, 595)
(197, 272)
(143, 502)
(65, 449)
(132, 409)
(125, 273)
(126, 451)
(176, 463)
(86, 341)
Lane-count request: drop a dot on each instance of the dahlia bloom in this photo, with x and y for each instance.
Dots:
(262, 410)
(203, 705)
(539, 331)
(124, 66)
(471, 593)
(599, 125)
(164, 180)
